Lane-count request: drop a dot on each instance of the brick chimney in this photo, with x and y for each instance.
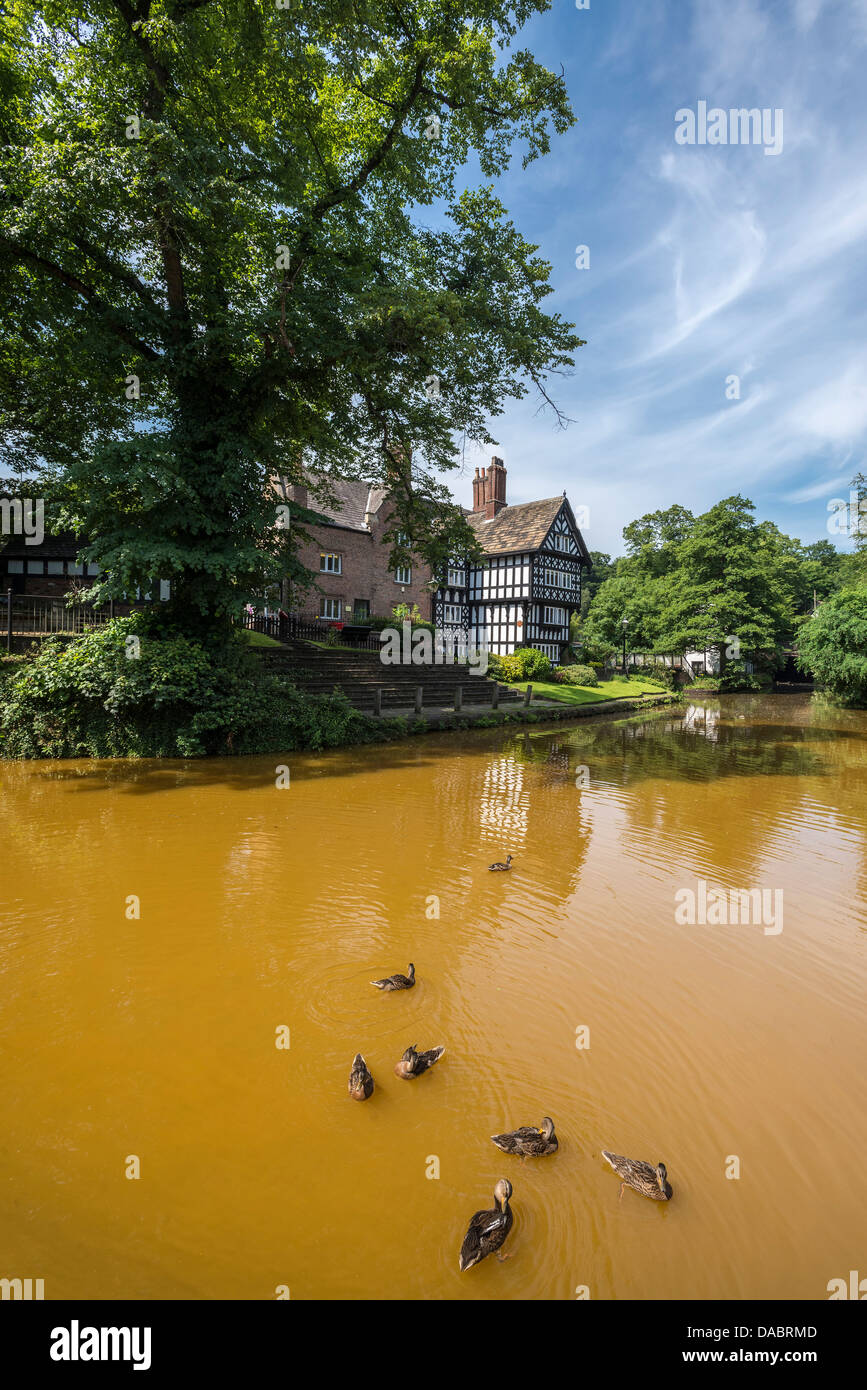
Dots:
(478, 501)
(495, 488)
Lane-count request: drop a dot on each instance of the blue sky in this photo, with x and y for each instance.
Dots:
(705, 262)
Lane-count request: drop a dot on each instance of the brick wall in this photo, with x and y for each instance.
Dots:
(365, 573)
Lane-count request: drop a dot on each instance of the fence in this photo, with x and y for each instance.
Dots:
(29, 616)
(296, 627)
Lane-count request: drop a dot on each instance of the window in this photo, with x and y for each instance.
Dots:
(75, 568)
(555, 615)
(361, 609)
(403, 575)
(560, 579)
(452, 613)
(562, 541)
(329, 608)
(94, 570)
(457, 579)
(330, 563)
(54, 567)
(35, 566)
(15, 566)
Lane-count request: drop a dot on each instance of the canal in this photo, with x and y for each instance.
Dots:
(165, 926)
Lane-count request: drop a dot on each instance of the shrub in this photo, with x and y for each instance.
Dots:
(577, 675)
(525, 664)
(177, 698)
(832, 646)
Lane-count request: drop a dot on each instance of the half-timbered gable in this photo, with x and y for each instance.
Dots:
(528, 586)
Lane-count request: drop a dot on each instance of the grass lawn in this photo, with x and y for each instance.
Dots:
(588, 694)
(259, 639)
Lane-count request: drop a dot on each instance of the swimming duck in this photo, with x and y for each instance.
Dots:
(360, 1079)
(529, 1142)
(413, 1063)
(501, 868)
(397, 981)
(650, 1182)
(487, 1230)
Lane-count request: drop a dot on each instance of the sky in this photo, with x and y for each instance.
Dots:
(706, 262)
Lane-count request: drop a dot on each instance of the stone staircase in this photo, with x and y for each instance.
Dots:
(361, 674)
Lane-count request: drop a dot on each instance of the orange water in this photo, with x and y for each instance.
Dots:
(263, 908)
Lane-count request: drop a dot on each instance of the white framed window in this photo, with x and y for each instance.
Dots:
(555, 615)
(54, 567)
(330, 562)
(560, 579)
(330, 608)
(457, 578)
(403, 574)
(562, 541)
(452, 613)
(14, 566)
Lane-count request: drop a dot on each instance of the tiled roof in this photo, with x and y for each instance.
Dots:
(523, 527)
(353, 500)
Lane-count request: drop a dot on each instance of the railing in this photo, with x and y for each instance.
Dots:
(28, 615)
(296, 627)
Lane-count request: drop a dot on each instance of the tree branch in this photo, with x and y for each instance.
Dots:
(87, 292)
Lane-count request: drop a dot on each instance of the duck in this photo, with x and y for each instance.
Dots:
(413, 1063)
(649, 1181)
(487, 1230)
(397, 981)
(529, 1142)
(501, 868)
(360, 1079)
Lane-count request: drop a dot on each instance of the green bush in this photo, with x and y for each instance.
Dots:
(577, 675)
(832, 646)
(525, 664)
(176, 698)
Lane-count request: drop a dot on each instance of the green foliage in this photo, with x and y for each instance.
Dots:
(525, 664)
(88, 698)
(257, 250)
(700, 582)
(577, 675)
(832, 646)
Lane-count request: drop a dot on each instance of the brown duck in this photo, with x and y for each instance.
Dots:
(397, 981)
(360, 1079)
(413, 1063)
(487, 1230)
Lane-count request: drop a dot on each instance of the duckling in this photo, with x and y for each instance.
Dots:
(360, 1079)
(650, 1182)
(487, 1230)
(529, 1142)
(397, 981)
(413, 1063)
(501, 868)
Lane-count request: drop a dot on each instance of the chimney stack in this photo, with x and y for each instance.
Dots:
(495, 490)
(477, 493)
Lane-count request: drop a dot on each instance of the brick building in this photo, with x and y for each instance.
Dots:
(350, 557)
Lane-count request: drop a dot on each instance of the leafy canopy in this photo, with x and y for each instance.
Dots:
(233, 247)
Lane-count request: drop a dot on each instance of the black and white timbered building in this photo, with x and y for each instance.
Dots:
(525, 591)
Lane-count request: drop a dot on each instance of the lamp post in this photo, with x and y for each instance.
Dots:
(625, 626)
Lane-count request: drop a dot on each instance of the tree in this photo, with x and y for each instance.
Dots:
(215, 270)
(832, 646)
(730, 583)
(653, 540)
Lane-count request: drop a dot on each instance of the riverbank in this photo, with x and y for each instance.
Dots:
(539, 711)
